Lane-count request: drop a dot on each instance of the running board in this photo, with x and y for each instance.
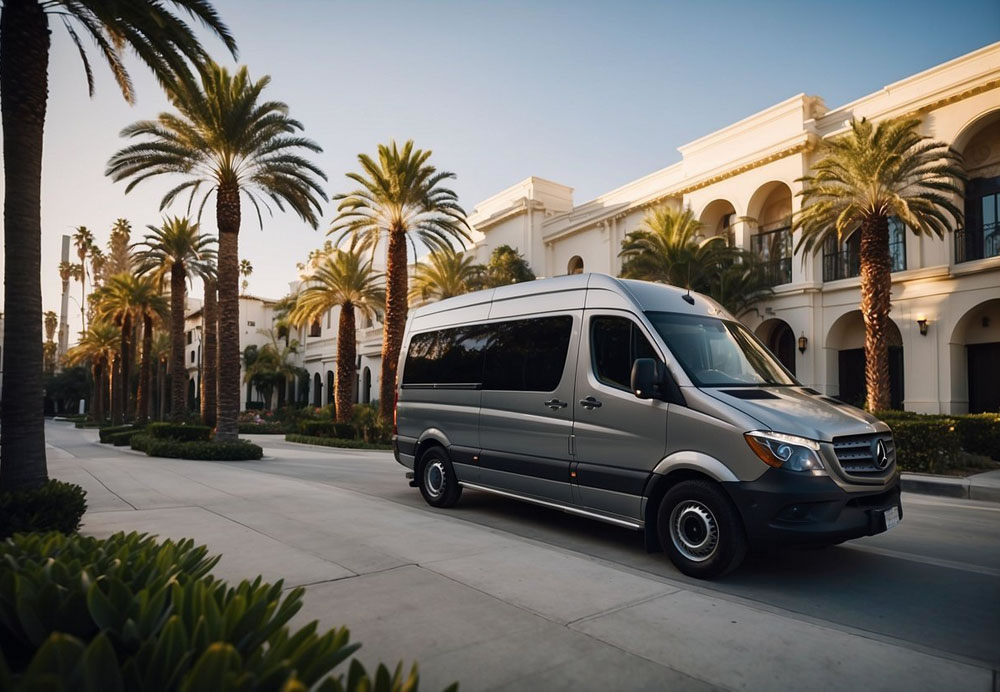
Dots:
(628, 524)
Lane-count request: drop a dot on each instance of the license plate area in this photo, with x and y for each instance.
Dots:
(891, 516)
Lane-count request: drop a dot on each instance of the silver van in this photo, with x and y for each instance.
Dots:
(641, 405)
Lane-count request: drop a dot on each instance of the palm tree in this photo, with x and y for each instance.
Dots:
(668, 248)
(227, 141)
(97, 261)
(246, 269)
(272, 366)
(83, 239)
(160, 355)
(445, 274)
(98, 346)
(345, 280)
(400, 197)
(161, 40)
(119, 259)
(51, 324)
(210, 347)
(51, 321)
(863, 178)
(177, 247)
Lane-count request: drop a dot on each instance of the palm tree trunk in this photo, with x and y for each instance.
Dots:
(395, 319)
(24, 58)
(162, 374)
(126, 366)
(178, 380)
(114, 389)
(227, 213)
(145, 372)
(97, 409)
(209, 354)
(876, 292)
(346, 366)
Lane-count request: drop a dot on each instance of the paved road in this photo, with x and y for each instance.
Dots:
(503, 595)
(932, 582)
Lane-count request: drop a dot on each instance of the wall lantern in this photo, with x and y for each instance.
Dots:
(803, 342)
(922, 323)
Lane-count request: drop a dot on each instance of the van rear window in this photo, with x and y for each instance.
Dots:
(517, 355)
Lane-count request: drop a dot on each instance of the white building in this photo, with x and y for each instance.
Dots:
(741, 181)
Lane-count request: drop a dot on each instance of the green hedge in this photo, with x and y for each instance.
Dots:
(240, 450)
(263, 428)
(122, 439)
(980, 433)
(334, 442)
(926, 446)
(180, 432)
(129, 613)
(327, 428)
(976, 433)
(105, 434)
(53, 506)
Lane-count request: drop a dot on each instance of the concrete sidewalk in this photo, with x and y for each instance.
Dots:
(469, 603)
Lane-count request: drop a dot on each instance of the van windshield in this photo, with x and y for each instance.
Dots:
(718, 353)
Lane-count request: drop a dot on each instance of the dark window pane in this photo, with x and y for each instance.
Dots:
(527, 355)
(615, 343)
(446, 356)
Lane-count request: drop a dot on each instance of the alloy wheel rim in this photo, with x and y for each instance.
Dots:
(434, 478)
(694, 530)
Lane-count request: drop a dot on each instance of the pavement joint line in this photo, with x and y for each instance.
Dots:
(937, 562)
(104, 485)
(354, 575)
(623, 606)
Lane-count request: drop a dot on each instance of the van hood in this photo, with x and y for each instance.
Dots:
(795, 411)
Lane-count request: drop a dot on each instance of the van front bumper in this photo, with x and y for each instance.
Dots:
(783, 508)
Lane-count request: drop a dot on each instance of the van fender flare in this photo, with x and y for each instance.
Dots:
(427, 437)
(696, 461)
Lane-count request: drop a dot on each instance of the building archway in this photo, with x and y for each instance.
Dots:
(717, 219)
(845, 347)
(192, 394)
(979, 144)
(317, 390)
(975, 359)
(366, 386)
(771, 208)
(575, 265)
(329, 387)
(779, 338)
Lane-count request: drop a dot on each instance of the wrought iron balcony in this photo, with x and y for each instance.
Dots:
(977, 243)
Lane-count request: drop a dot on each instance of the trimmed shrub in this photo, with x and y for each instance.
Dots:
(335, 442)
(180, 432)
(239, 450)
(104, 434)
(129, 613)
(979, 433)
(140, 441)
(53, 506)
(327, 428)
(122, 439)
(262, 428)
(926, 446)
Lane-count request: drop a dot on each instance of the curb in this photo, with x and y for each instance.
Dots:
(946, 486)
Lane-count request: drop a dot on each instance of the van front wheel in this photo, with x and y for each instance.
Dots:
(438, 483)
(701, 530)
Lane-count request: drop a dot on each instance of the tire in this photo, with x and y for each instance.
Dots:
(701, 530)
(438, 483)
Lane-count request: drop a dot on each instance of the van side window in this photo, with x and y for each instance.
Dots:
(527, 355)
(446, 356)
(615, 343)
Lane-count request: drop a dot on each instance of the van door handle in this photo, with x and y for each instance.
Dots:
(590, 403)
(555, 404)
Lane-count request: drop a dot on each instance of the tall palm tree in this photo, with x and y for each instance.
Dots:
(444, 273)
(246, 269)
(345, 279)
(273, 366)
(161, 40)
(210, 348)
(83, 239)
(151, 308)
(863, 178)
(400, 199)
(51, 324)
(179, 249)
(226, 140)
(98, 346)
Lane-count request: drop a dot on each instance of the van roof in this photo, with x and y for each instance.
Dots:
(645, 295)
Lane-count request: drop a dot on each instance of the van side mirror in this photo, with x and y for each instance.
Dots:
(647, 375)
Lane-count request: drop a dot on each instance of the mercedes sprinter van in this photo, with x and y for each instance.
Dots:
(638, 404)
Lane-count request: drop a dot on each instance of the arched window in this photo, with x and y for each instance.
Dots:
(575, 265)
(366, 386)
(315, 329)
(843, 261)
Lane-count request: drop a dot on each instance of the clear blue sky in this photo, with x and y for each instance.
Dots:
(588, 94)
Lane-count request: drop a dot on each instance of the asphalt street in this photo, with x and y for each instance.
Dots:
(933, 581)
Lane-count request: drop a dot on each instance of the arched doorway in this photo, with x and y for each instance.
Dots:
(845, 344)
(192, 394)
(717, 219)
(771, 207)
(366, 386)
(317, 390)
(979, 144)
(975, 359)
(779, 338)
(575, 265)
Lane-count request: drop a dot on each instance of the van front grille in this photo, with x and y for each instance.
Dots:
(857, 453)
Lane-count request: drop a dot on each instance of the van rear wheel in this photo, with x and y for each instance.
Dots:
(701, 530)
(438, 483)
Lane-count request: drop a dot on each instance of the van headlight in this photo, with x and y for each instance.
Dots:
(788, 452)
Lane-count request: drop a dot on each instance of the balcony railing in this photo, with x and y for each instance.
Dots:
(846, 264)
(774, 249)
(778, 271)
(977, 243)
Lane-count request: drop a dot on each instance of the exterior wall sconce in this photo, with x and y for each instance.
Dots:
(803, 342)
(922, 323)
